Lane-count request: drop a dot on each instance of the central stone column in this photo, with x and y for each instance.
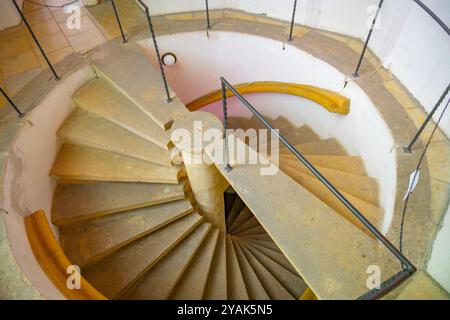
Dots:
(191, 134)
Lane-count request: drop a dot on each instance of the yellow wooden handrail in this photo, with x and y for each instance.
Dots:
(52, 259)
(331, 101)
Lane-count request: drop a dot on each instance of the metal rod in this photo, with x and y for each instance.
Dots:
(16, 108)
(292, 21)
(228, 168)
(356, 74)
(322, 179)
(208, 25)
(433, 15)
(118, 21)
(158, 55)
(408, 149)
(387, 286)
(35, 40)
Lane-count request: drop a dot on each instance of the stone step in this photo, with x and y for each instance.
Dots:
(273, 253)
(373, 213)
(249, 224)
(118, 272)
(302, 135)
(216, 285)
(273, 287)
(291, 281)
(327, 147)
(235, 286)
(160, 280)
(193, 282)
(263, 237)
(85, 163)
(100, 98)
(254, 287)
(243, 216)
(86, 243)
(254, 231)
(122, 66)
(362, 187)
(87, 129)
(237, 207)
(352, 164)
(79, 203)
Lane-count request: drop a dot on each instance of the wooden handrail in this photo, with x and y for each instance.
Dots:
(52, 259)
(330, 100)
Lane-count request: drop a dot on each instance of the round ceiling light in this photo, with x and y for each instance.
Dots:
(169, 59)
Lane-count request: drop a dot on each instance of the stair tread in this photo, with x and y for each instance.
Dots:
(273, 287)
(85, 163)
(249, 224)
(352, 164)
(291, 281)
(145, 89)
(322, 147)
(254, 287)
(99, 97)
(373, 213)
(88, 129)
(111, 276)
(216, 285)
(75, 203)
(86, 243)
(264, 244)
(254, 231)
(235, 286)
(193, 282)
(244, 215)
(362, 187)
(160, 280)
(302, 135)
(237, 207)
(263, 237)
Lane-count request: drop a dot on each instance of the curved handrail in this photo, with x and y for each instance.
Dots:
(331, 101)
(433, 15)
(52, 259)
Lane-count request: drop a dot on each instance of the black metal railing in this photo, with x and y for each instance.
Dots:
(291, 29)
(208, 22)
(35, 40)
(155, 44)
(408, 267)
(13, 105)
(119, 23)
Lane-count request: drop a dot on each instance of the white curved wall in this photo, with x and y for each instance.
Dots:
(245, 58)
(408, 41)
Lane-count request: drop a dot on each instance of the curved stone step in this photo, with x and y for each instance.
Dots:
(253, 231)
(237, 207)
(100, 98)
(249, 224)
(122, 66)
(352, 164)
(262, 237)
(243, 216)
(79, 203)
(193, 282)
(118, 272)
(87, 129)
(84, 244)
(291, 281)
(254, 287)
(160, 280)
(235, 285)
(362, 187)
(272, 286)
(302, 135)
(273, 253)
(373, 213)
(85, 163)
(322, 147)
(216, 285)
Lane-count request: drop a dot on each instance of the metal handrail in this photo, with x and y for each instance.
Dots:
(408, 266)
(292, 21)
(433, 15)
(208, 23)
(13, 105)
(116, 13)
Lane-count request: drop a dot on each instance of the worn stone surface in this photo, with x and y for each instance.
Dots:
(422, 287)
(235, 282)
(216, 286)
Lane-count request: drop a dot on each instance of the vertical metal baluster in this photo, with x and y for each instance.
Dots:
(158, 55)
(292, 21)
(118, 21)
(228, 168)
(208, 26)
(356, 74)
(35, 40)
(20, 113)
(429, 117)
